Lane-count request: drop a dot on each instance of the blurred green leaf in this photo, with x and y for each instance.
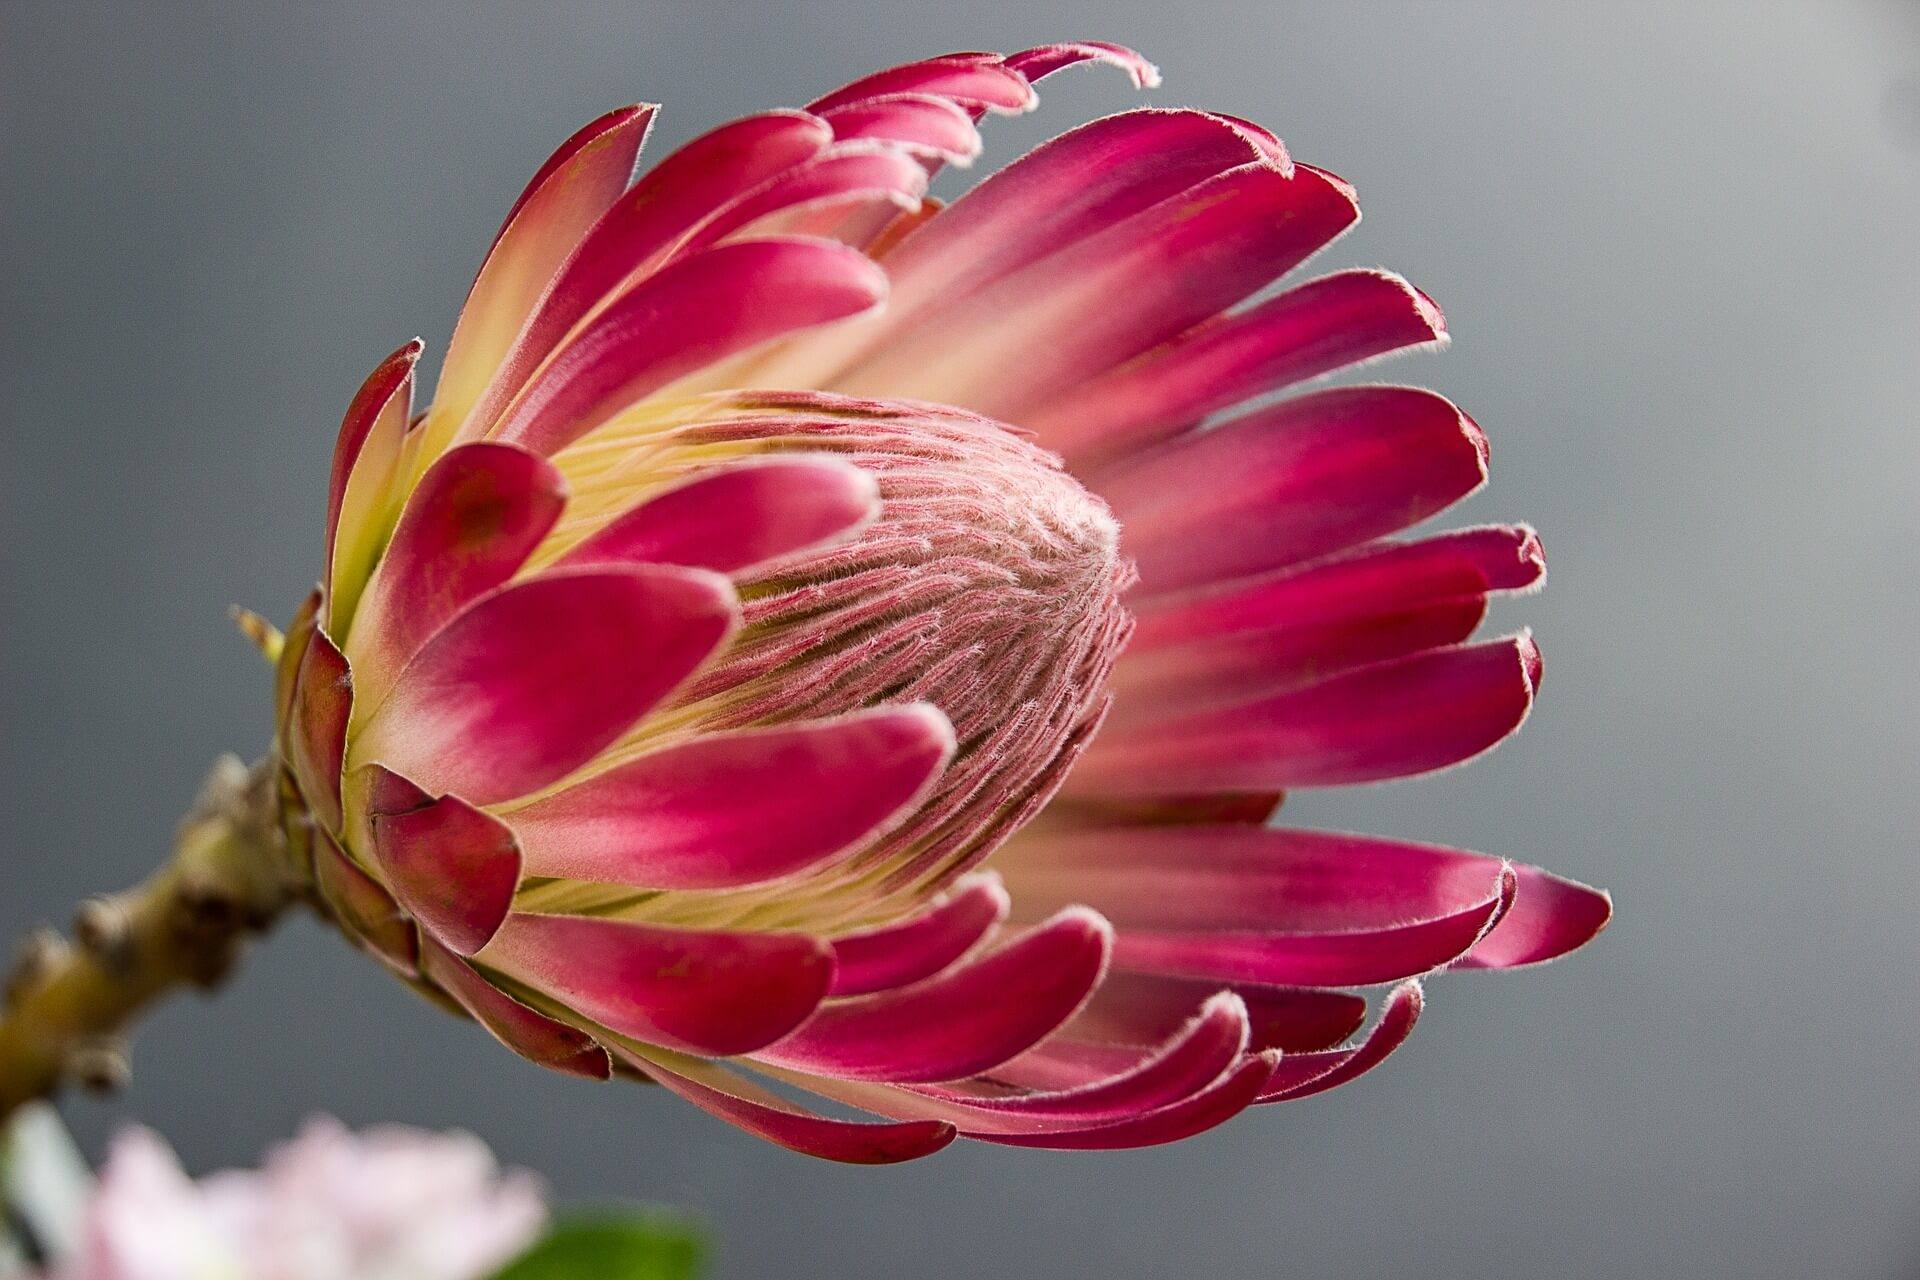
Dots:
(613, 1246)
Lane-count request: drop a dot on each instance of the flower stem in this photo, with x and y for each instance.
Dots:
(68, 1007)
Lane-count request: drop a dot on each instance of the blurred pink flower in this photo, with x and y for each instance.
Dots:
(386, 1204)
(709, 679)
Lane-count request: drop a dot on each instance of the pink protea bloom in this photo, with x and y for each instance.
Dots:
(386, 1204)
(708, 687)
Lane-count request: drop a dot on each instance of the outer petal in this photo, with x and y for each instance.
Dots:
(1140, 1009)
(1326, 324)
(967, 1020)
(1391, 720)
(1107, 298)
(740, 1102)
(473, 520)
(317, 731)
(361, 497)
(696, 991)
(1299, 480)
(532, 1035)
(922, 124)
(571, 190)
(1036, 64)
(923, 944)
(1291, 907)
(1226, 1098)
(732, 519)
(1305, 1074)
(739, 808)
(969, 79)
(1551, 916)
(364, 910)
(533, 681)
(702, 309)
(452, 866)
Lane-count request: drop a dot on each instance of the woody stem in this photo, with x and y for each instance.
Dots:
(68, 1007)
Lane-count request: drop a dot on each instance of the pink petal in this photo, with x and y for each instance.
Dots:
(703, 992)
(1106, 298)
(366, 457)
(699, 310)
(735, 809)
(534, 680)
(1145, 1008)
(1551, 916)
(317, 731)
(970, 82)
(1297, 908)
(1194, 1058)
(1373, 580)
(569, 193)
(923, 944)
(364, 910)
(966, 1020)
(645, 226)
(1391, 720)
(744, 1104)
(1302, 1075)
(1061, 193)
(1226, 1098)
(738, 517)
(472, 521)
(1293, 482)
(845, 176)
(1225, 671)
(1036, 64)
(532, 1035)
(452, 866)
(920, 123)
(1321, 326)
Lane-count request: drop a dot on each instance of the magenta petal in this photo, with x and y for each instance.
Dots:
(366, 459)
(765, 1115)
(645, 226)
(1390, 720)
(1301, 908)
(534, 680)
(1109, 297)
(922, 124)
(968, 1019)
(1145, 1008)
(1301, 479)
(1037, 64)
(735, 518)
(1305, 1074)
(1195, 1057)
(317, 735)
(969, 81)
(1320, 326)
(363, 909)
(452, 866)
(532, 1035)
(1374, 580)
(1551, 916)
(568, 194)
(473, 520)
(923, 944)
(1226, 1098)
(839, 180)
(695, 312)
(703, 992)
(735, 809)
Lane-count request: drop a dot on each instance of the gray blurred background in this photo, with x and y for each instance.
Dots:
(1678, 249)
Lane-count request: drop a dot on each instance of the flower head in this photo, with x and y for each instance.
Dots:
(387, 1204)
(734, 669)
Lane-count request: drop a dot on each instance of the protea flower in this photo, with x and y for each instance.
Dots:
(732, 676)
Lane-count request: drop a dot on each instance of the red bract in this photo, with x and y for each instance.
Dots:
(708, 687)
